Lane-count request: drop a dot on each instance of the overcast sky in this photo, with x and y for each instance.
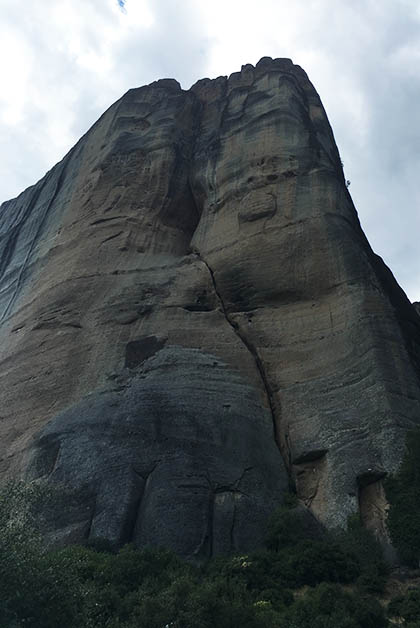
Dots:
(63, 62)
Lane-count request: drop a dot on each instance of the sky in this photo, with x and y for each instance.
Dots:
(63, 62)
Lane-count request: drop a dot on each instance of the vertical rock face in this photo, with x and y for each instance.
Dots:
(189, 309)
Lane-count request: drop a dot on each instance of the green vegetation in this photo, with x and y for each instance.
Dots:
(367, 553)
(293, 582)
(403, 493)
(406, 608)
(32, 580)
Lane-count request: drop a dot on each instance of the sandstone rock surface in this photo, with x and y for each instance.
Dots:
(189, 307)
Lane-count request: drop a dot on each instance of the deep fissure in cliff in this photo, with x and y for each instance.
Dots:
(257, 360)
(281, 440)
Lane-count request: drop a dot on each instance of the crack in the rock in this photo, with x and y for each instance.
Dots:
(146, 475)
(207, 540)
(111, 237)
(133, 520)
(232, 526)
(91, 519)
(206, 543)
(310, 498)
(283, 448)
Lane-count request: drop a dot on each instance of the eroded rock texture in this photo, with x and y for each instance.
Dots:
(191, 278)
(179, 453)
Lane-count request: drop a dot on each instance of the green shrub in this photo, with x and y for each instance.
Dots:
(285, 528)
(328, 606)
(31, 579)
(313, 562)
(406, 606)
(261, 573)
(344, 557)
(88, 587)
(366, 551)
(403, 494)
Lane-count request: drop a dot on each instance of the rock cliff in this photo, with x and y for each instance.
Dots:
(191, 317)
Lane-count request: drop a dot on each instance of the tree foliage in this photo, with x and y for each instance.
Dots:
(403, 494)
(406, 608)
(31, 579)
(84, 587)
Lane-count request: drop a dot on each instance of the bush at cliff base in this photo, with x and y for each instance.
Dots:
(37, 588)
(405, 609)
(403, 494)
(80, 587)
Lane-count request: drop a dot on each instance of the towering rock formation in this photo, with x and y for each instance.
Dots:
(190, 313)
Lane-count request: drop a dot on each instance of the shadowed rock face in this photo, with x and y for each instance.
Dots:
(188, 227)
(178, 454)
